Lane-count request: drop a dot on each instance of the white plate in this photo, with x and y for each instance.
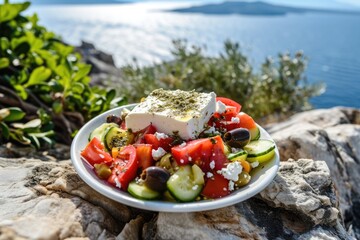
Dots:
(260, 179)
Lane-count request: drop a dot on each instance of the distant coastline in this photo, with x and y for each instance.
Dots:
(77, 2)
(253, 8)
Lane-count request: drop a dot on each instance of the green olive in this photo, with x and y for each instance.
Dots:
(244, 178)
(102, 170)
(168, 163)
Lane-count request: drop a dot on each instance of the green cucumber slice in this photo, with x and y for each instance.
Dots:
(238, 156)
(117, 137)
(142, 192)
(260, 150)
(101, 131)
(181, 185)
(254, 133)
(198, 175)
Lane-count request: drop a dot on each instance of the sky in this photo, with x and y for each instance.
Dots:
(328, 4)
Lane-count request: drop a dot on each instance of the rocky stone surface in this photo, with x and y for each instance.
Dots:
(103, 66)
(332, 135)
(41, 196)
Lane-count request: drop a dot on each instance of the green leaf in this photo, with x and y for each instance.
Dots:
(4, 43)
(39, 75)
(42, 134)
(10, 11)
(20, 138)
(31, 124)
(35, 141)
(21, 91)
(5, 132)
(20, 45)
(4, 112)
(63, 72)
(77, 88)
(16, 114)
(4, 63)
(57, 107)
(83, 72)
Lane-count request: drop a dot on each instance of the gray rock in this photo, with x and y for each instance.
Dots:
(332, 135)
(47, 200)
(299, 203)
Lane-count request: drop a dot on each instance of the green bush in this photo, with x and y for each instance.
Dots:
(45, 79)
(279, 88)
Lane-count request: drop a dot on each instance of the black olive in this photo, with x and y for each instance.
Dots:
(114, 119)
(155, 178)
(237, 138)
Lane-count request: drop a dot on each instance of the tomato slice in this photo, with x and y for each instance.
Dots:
(217, 159)
(143, 153)
(230, 103)
(193, 151)
(124, 168)
(201, 152)
(95, 153)
(246, 121)
(164, 143)
(139, 136)
(216, 187)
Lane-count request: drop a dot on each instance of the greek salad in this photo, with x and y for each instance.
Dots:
(217, 158)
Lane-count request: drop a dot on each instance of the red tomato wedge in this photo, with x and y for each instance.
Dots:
(125, 168)
(246, 121)
(139, 136)
(201, 152)
(216, 187)
(95, 153)
(164, 143)
(230, 103)
(143, 153)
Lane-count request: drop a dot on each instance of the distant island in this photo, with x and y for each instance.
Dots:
(57, 2)
(252, 8)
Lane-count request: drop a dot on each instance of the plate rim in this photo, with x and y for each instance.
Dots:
(163, 206)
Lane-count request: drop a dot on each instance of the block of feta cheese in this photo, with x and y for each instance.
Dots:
(173, 112)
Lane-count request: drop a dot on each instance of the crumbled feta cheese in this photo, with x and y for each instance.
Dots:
(209, 175)
(231, 185)
(254, 164)
(157, 154)
(232, 171)
(212, 164)
(220, 107)
(235, 120)
(235, 150)
(182, 145)
(190, 159)
(160, 136)
(211, 130)
(117, 182)
(195, 187)
(182, 160)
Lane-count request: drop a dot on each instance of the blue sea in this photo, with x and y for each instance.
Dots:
(144, 31)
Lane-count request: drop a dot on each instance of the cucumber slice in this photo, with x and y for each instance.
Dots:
(198, 175)
(254, 133)
(238, 156)
(142, 192)
(181, 185)
(260, 150)
(101, 131)
(117, 137)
